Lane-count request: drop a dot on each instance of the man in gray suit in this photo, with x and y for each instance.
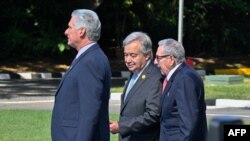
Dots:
(140, 101)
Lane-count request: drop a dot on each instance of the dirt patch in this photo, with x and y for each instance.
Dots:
(222, 62)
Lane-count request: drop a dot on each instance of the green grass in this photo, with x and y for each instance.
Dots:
(29, 125)
(116, 89)
(34, 125)
(228, 91)
(25, 125)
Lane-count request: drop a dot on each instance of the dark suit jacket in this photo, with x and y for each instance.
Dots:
(183, 113)
(81, 103)
(139, 115)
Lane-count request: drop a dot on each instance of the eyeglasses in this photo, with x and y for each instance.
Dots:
(158, 58)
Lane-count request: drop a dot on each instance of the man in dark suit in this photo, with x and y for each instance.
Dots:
(140, 101)
(183, 112)
(81, 103)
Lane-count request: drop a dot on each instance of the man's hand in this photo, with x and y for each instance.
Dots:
(114, 127)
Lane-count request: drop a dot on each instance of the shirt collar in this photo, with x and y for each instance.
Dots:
(171, 72)
(138, 74)
(83, 49)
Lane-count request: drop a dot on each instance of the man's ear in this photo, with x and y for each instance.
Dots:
(82, 32)
(148, 56)
(173, 61)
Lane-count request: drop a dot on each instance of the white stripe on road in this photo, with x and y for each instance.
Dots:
(243, 116)
(27, 102)
(35, 101)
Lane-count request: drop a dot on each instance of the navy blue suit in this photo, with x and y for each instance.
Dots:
(81, 103)
(183, 112)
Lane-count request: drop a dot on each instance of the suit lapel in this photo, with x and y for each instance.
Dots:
(134, 88)
(125, 89)
(142, 78)
(94, 47)
(169, 85)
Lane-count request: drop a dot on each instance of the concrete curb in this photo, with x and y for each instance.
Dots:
(232, 103)
(49, 75)
(226, 103)
(115, 96)
(31, 75)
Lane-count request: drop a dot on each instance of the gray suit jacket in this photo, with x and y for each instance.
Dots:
(139, 115)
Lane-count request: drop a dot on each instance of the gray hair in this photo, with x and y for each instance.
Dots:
(89, 20)
(173, 47)
(143, 38)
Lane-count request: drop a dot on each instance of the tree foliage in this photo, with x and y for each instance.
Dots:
(217, 28)
(32, 28)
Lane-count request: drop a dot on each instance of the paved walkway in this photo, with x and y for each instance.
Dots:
(10, 89)
(46, 103)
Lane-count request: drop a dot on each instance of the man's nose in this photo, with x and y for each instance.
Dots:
(128, 59)
(66, 32)
(155, 61)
